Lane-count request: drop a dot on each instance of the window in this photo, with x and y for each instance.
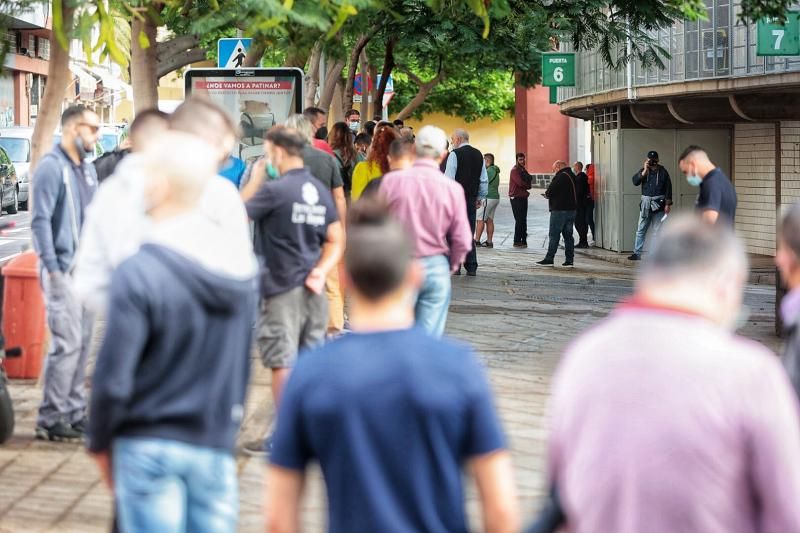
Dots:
(43, 48)
(18, 148)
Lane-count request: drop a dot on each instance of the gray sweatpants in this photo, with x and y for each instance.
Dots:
(65, 369)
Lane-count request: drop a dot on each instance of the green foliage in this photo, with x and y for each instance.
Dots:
(759, 9)
(471, 95)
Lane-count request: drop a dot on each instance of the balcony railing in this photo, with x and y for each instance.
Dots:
(719, 47)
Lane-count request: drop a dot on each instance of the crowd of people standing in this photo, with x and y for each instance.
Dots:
(193, 275)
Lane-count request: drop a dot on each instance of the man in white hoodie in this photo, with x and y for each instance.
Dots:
(116, 222)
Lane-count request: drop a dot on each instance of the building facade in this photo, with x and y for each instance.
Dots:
(714, 91)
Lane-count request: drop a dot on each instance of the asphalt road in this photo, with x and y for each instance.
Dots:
(17, 239)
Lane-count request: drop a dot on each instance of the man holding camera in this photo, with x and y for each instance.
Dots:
(656, 199)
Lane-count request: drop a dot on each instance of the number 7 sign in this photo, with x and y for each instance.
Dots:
(779, 39)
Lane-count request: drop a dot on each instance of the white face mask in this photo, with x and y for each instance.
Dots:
(354, 126)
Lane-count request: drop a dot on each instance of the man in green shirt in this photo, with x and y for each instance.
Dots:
(487, 211)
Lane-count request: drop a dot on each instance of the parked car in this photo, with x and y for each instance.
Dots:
(111, 136)
(8, 178)
(17, 144)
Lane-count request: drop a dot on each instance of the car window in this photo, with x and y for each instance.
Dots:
(18, 149)
(109, 142)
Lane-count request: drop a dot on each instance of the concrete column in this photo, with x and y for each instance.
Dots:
(22, 112)
(542, 132)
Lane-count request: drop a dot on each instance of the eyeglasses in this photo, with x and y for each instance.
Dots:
(92, 127)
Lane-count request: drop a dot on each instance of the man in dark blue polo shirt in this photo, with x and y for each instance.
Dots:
(392, 415)
(717, 199)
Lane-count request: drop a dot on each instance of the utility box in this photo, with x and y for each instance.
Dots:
(619, 153)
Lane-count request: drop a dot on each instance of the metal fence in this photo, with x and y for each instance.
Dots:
(719, 47)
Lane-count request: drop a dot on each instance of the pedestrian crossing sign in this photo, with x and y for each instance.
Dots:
(231, 53)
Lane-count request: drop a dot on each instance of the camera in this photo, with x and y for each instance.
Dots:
(652, 162)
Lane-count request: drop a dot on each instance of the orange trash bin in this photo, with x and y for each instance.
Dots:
(24, 316)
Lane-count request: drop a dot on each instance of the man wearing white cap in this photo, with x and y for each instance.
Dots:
(433, 210)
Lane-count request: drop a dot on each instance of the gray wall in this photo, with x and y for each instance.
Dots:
(618, 154)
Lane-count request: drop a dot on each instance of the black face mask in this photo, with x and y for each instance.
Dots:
(322, 133)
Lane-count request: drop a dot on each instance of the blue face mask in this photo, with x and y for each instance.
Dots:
(694, 181)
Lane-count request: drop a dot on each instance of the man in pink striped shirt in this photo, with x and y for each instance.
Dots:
(433, 210)
(665, 421)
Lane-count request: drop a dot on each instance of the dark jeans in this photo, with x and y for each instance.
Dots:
(471, 262)
(590, 217)
(581, 224)
(519, 206)
(562, 223)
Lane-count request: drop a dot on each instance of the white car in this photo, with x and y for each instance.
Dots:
(17, 144)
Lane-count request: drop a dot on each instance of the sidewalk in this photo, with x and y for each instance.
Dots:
(518, 316)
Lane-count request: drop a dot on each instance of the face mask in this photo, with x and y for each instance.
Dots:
(322, 133)
(82, 152)
(694, 180)
(354, 126)
(272, 172)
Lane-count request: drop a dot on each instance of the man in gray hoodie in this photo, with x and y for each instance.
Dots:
(64, 184)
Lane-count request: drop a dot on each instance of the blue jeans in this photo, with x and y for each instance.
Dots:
(646, 219)
(433, 299)
(562, 223)
(170, 486)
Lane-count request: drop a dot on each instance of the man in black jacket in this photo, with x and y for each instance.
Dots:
(581, 222)
(656, 199)
(563, 196)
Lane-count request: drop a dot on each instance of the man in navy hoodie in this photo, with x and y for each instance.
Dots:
(169, 386)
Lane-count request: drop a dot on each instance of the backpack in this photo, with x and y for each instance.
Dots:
(346, 171)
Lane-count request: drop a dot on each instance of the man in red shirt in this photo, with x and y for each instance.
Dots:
(518, 187)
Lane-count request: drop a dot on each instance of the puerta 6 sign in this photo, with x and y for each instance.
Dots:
(558, 70)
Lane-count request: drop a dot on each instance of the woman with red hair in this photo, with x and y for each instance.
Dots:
(377, 163)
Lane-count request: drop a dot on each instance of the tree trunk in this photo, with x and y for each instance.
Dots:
(144, 64)
(425, 88)
(180, 60)
(257, 49)
(388, 66)
(58, 79)
(375, 107)
(333, 78)
(363, 68)
(337, 99)
(347, 100)
(311, 79)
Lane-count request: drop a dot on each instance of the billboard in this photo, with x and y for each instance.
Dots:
(256, 99)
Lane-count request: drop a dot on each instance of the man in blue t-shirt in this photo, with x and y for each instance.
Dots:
(717, 199)
(391, 414)
(299, 238)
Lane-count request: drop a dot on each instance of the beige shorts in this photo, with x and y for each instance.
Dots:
(488, 210)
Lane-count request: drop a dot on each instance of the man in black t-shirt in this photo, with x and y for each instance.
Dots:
(300, 239)
(717, 199)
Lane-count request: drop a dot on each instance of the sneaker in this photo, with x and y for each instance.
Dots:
(81, 425)
(520, 245)
(635, 257)
(472, 273)
(258, 447)
(477, 244)
(545, 262)
(582, 245)
(59, 432)
(488, 244)
(568, 264)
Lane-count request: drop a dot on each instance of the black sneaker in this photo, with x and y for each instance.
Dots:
(488, 244)
(472, 273)
(545, 262)
(520, 245)
(582, 245)
(81, 425)
(59, 432)
(635, 257)
(568, 264)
